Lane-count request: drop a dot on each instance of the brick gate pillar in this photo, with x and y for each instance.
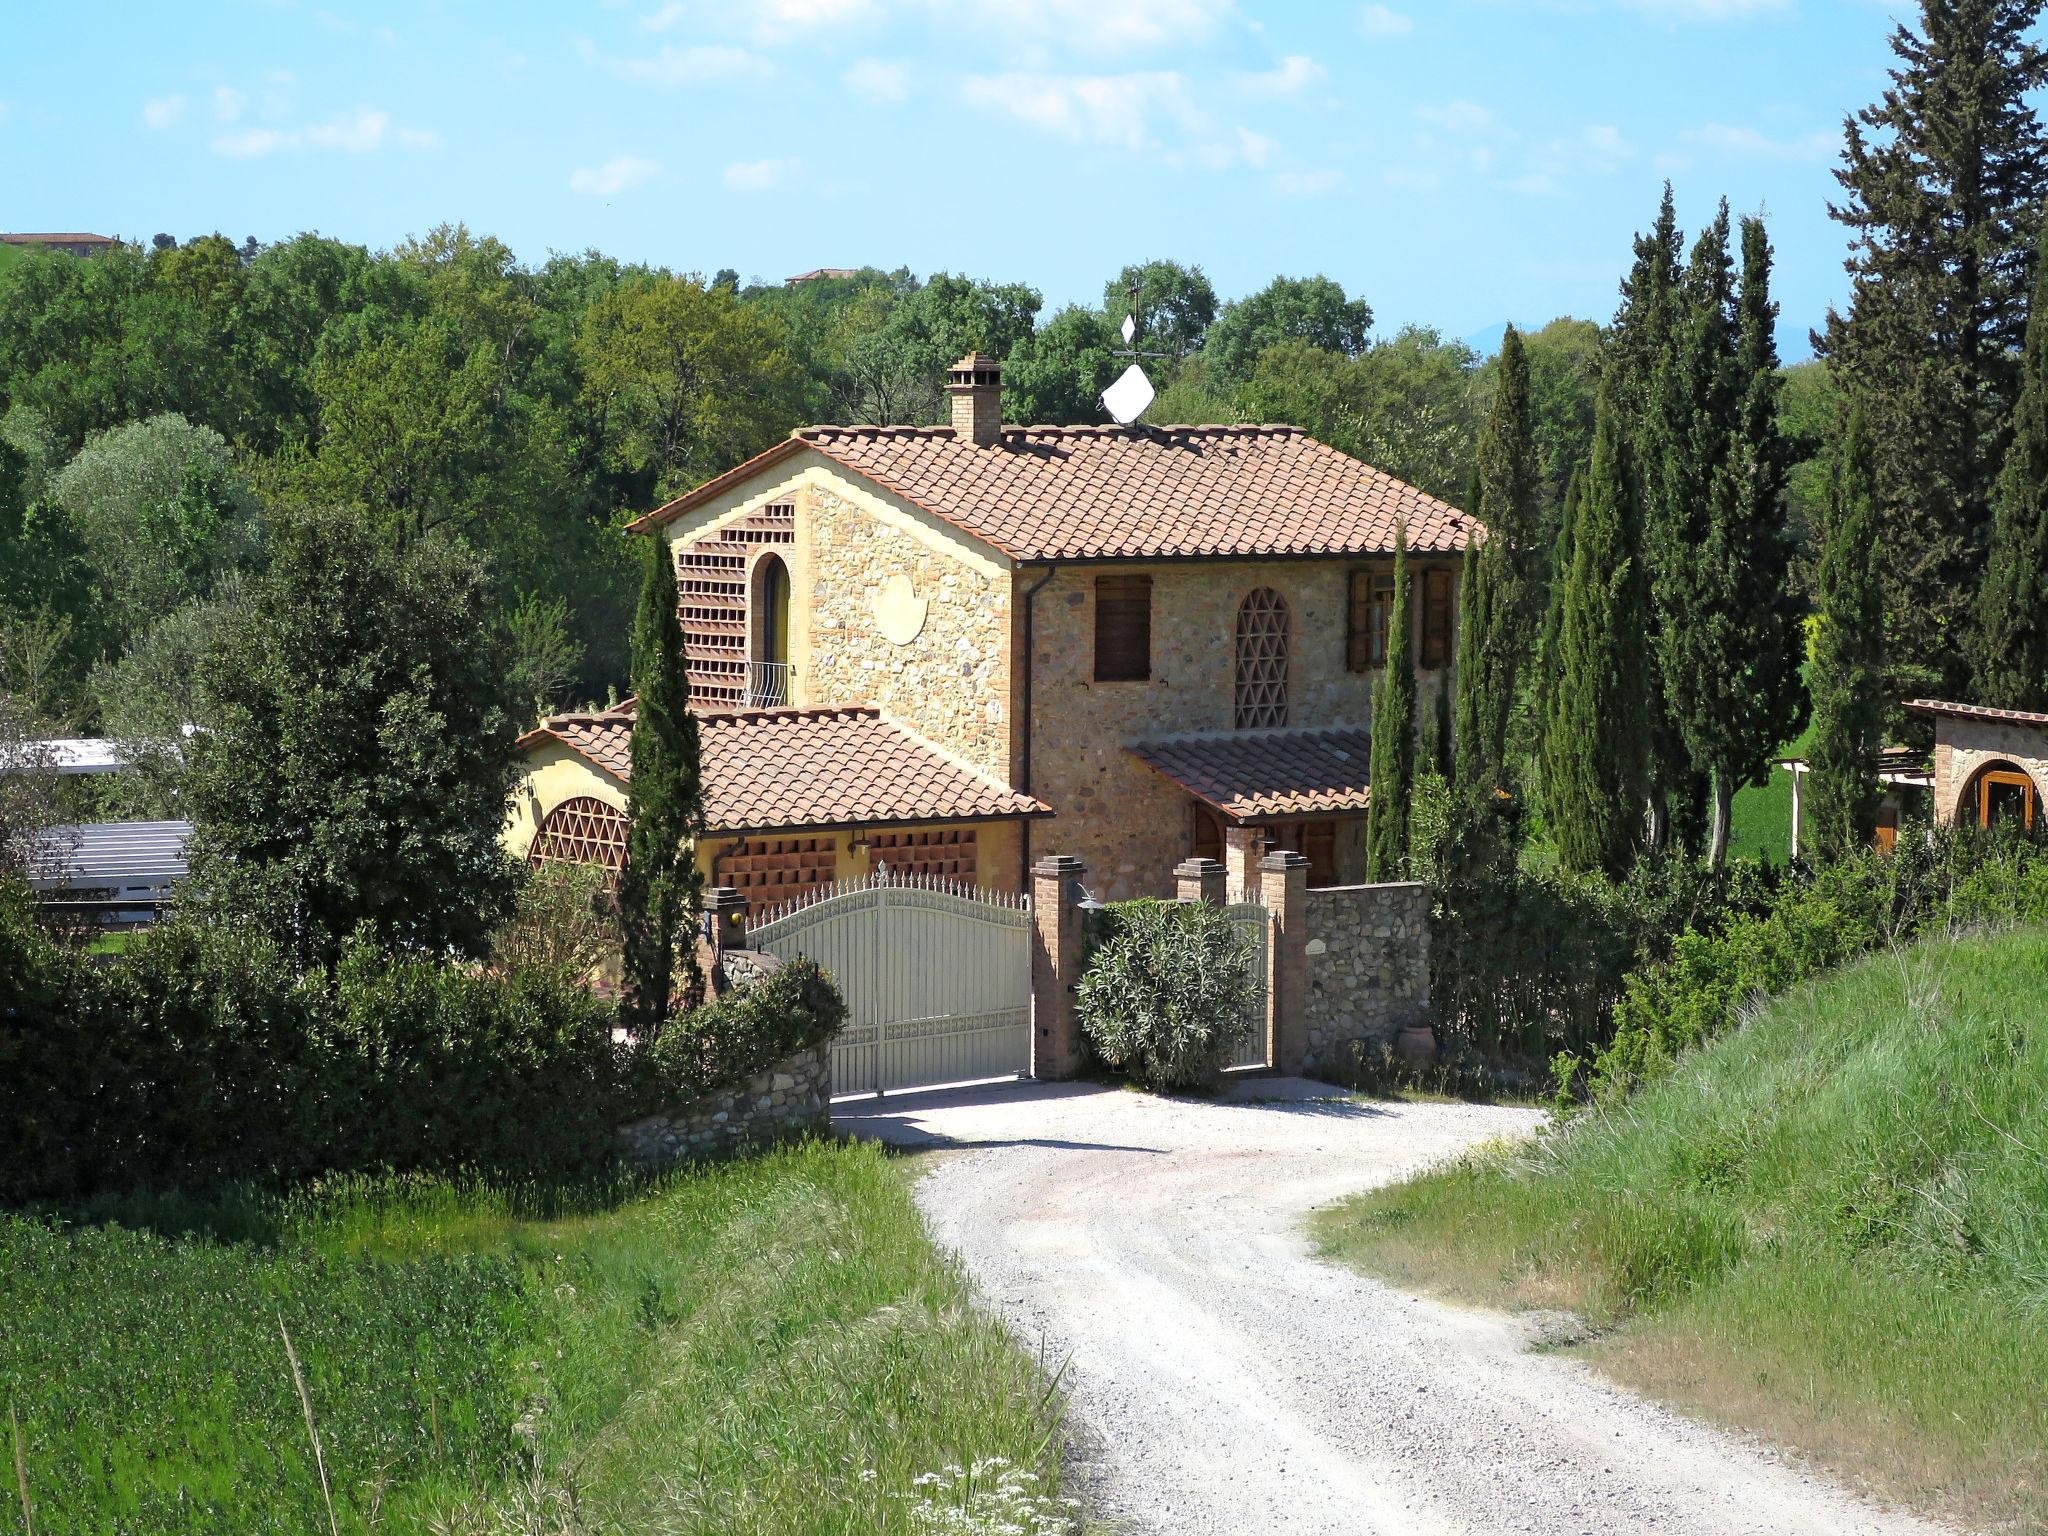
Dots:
(1199, 880)
(1055, 966)
(1283, 881)
(1241, 849)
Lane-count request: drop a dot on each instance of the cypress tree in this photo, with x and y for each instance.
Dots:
(1393, 737)
(1846, 675)
(1437, 754)
(2012, 615)
(1548, 657)
(1595, 744)
(660, 889)
(1510, 489)
(1942, 201)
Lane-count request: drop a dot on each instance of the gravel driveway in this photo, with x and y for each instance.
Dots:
(1223, 1380)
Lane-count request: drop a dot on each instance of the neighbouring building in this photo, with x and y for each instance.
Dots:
(952, 649)
(69, 244)
(1990, 765)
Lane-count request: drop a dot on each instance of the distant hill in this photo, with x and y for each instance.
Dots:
(1487, 342)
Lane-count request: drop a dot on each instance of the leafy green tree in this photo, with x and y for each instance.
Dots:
(896, 364)
(1565, 360)
(1311, 309)
(1393, 736)
(1846, 673)
(1175, 306)
(660, 890)
(1058, 373)
(1594, 745)
(354, 772)
(1943, 180)
(2012, 615)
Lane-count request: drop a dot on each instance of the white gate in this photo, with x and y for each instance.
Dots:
(936, 976)
(1254, 919)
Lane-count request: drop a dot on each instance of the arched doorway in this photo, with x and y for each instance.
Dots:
(2000, 793)
(768, 674)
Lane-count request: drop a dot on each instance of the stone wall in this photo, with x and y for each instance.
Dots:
(790, 1099)
(949, 680)
(1368, 968)
(1125, 822)
(1962, 746)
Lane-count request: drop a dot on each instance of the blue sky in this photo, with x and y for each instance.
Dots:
(1456, 162)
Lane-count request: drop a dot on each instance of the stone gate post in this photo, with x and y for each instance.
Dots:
(1283, 881)
(1055, 966)
(1200, 880)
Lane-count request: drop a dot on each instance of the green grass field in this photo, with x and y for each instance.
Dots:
(1830, 1227)
(771, 1346)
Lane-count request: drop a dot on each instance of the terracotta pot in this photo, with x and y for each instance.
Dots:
(1416, 1043)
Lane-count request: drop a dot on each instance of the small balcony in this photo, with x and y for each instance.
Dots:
(770, 684)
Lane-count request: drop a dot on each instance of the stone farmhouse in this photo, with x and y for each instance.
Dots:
(952, 649)
(1990, 765)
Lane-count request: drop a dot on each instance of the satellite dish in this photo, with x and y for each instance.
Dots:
(1127, 398)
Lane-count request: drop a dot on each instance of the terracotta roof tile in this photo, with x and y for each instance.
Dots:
(773, 770)
(1131, 493)
(1255, 775)
(1976, 712)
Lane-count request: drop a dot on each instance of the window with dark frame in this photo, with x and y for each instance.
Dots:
(1438, 594)
(1370, 617)
(1123, 628)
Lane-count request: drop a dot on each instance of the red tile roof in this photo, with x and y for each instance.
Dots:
(795, 770)
(1260, 775)
(1128, 493)
(1976, 712)
(58, 239)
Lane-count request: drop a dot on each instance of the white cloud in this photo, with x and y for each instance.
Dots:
(1748, 143)
(164, 112)
(670, 65)
(1289, 77)
(1115, 110)
(1104, 26)
(227, 103)
(1457, 117)
(362, 132)
(766, 21)
(613, 177)
(1306, 183)
(1384, 21)
(758, 175)
(879, 82)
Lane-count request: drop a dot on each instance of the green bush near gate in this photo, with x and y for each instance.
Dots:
(1166, 991)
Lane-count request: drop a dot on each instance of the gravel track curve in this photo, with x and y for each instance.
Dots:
(1224, 1379)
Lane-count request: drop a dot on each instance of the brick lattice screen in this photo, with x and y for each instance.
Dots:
(583, 830)
(1261, 659)
(946, 853)
(769, 871)
(711, 600)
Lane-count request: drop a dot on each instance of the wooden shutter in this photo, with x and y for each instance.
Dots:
(1123, 628)
(1371, 613)
(1437, 593)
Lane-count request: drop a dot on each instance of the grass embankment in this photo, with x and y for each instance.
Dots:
(1830, 1227)
(771, 1346)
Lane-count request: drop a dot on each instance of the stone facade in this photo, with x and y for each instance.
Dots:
(792, 1098)
(1125, 822)
(1368, 968)
(1963, 746)
(949, 680)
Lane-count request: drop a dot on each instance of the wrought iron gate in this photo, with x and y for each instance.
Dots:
(936, 975)
(1256, 921)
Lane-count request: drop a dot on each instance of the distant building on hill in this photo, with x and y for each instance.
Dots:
(69, 244)
(818, 274)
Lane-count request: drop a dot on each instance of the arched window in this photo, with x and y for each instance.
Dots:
(768, 636)
(1261, 659)
(2000, 792)
(582, 830)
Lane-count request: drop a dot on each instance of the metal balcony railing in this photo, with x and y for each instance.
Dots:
(770, 684)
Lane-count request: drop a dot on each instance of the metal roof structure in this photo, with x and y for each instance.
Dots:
(139, 859)
(73, 755)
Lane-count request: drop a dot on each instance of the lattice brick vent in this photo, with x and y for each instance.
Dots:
(1261, 659)
(769, 871)
(711, 600)
(583, 830)
(946, 852)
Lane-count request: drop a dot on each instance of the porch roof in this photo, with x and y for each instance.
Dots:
(807, 770)
(1975, 712)
(1268, 775)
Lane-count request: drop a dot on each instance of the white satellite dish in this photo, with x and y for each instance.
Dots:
(1127, 398)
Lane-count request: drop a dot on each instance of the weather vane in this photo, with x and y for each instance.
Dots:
(1127, 398)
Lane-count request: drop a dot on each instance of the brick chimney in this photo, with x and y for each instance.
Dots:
(976, 385)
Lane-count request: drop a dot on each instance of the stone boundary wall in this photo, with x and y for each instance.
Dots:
(1367, 954)
(790, 1099)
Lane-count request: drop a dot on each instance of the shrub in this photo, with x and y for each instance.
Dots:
(743, 1033)
(1167, 994)
(565, 919)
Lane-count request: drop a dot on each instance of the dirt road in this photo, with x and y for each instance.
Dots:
(1225, 1380)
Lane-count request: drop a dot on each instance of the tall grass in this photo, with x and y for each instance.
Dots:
(1830, 1225)
(771, 1345)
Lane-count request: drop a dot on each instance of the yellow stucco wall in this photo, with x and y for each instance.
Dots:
(553, 773)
